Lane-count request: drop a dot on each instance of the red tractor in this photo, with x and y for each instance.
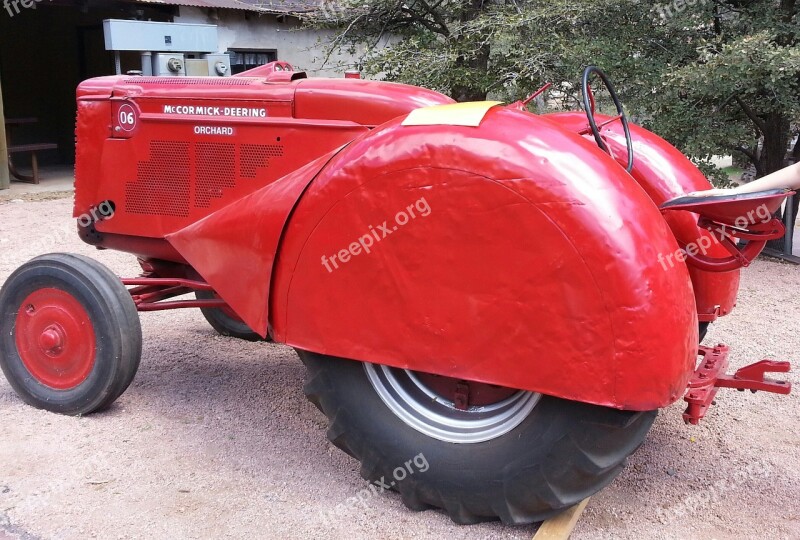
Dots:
(512, 296)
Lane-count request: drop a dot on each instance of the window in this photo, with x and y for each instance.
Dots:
(242, 60)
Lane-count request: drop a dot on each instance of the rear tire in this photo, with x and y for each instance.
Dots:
(703, 329)
(225, 322)
(74, 341)
(556, 455)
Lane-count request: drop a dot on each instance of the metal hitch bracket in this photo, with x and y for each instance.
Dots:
(710, 376)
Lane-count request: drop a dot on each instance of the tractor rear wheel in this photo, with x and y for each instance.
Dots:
(703, 330)
(225, 321)
(72, 335)
(479, 452)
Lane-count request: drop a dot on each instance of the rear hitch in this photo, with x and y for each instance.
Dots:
(710, 376)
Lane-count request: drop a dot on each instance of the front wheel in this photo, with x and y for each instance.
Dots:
(72, 339)
(479, 452)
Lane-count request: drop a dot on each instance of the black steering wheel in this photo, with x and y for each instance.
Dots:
(589, 105)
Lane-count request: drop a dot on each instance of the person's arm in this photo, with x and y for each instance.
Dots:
(788, 178)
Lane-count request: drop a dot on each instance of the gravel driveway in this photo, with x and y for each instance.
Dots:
(214, 439)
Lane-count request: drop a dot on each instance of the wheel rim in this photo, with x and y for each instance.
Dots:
(55, 338)
(411, 397)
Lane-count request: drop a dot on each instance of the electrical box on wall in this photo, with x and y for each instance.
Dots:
(196, 67)
(219, 65)
(169, 65)
(157, 36)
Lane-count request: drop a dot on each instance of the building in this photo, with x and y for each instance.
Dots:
(47, 47)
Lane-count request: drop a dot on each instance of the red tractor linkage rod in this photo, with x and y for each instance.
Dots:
(151, 294)
(710, 376)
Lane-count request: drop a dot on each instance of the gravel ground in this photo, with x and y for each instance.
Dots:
(214, 439)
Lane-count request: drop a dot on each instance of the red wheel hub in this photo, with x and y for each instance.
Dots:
(55, 338)
(464, 393)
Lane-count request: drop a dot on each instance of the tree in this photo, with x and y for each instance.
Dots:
(713, 77)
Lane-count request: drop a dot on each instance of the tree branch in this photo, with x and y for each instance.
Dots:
(752, 157)
(762, 128)
(334, 45)
(437, 17)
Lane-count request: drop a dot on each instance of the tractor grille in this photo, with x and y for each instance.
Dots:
(215, 164)
(162, 184)
(179, 175)
(188, 81)
(255, 156)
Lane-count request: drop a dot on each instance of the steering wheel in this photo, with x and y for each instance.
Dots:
(589, 106)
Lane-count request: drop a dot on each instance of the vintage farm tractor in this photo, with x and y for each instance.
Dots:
(513, 296)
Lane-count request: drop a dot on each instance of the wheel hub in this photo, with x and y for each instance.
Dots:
(448, 409)
(51, 341)
(55, 338)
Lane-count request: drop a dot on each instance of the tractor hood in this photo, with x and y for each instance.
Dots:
(368, 103)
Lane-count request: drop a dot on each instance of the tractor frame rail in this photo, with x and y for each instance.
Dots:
(152, 294)
(710, 376)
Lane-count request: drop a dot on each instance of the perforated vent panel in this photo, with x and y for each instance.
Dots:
(162, 182)
(221, 81)
(255, 156)
(215, 166)
(164, 185)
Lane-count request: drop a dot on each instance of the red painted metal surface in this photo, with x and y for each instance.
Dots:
(535, 271)
(55, 338)
(181, 148)
(368, 103)
(710, 376)
(235, 248)
(151, 294)
(268, 70)
(513, 254)
(665, 173)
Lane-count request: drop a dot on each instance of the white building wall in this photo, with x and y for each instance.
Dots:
(303, 48)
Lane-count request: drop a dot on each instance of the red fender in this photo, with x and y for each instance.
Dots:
(240, 271)
(665, 173)
(532, 264)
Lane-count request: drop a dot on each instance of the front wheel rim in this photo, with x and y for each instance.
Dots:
(55, 338)
(436, 416)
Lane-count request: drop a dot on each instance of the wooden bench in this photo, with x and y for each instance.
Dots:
(32, 149)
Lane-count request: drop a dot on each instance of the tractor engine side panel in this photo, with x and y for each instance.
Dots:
(92, 129)
(530, 261)
(169, 155)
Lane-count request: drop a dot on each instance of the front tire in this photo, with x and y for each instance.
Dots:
(522, 465)
(72, 341)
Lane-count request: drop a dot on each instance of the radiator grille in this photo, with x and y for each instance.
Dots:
(215, 169)
(164, 185)
(208, 81)
(162, 182)
(256, 156)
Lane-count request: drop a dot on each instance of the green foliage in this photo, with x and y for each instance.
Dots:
(710, 76)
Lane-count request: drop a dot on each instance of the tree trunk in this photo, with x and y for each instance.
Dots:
(478, 63)
(773, 157)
